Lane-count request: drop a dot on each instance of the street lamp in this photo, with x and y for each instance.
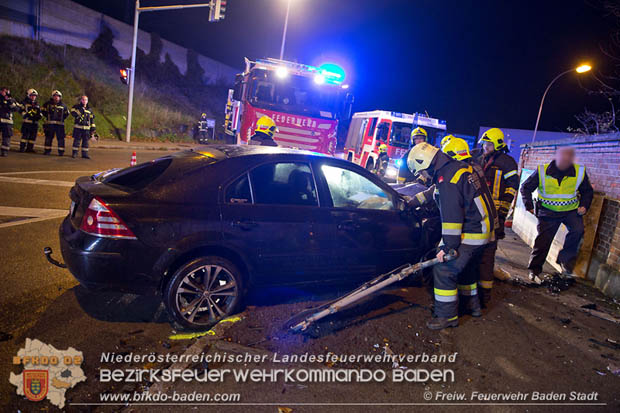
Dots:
(583, 68)
(288, 9)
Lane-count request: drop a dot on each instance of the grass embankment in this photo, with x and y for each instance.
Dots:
(160, 112)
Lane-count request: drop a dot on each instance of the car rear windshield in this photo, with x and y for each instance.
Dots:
(138, 177)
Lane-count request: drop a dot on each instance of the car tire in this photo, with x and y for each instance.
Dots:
(195, 306)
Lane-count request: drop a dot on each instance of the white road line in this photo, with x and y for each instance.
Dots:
(36, 214)
(46, 172)
(16, 180)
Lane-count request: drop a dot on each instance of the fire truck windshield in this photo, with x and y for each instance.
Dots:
(401, 134)
(293, 94)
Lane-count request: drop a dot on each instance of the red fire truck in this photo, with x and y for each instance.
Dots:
(368, 130)
(306, 102)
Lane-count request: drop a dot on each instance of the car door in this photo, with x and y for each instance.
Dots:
(371, 234)
(273, 213)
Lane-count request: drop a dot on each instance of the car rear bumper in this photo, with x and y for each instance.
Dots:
(106, 264)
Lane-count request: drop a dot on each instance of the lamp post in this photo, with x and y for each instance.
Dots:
(132, 71)
(288, 9)
(580, 69)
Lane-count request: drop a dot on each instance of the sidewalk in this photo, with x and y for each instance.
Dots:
(116, 144)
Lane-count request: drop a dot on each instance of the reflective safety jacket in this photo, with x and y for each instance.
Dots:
(502, 175)
(560, 196)
(202, 125)
(30, 111)
(8, 105)
(84, 117)
(465, 204)
(54, 113)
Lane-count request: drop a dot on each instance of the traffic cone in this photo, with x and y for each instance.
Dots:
(134, 161)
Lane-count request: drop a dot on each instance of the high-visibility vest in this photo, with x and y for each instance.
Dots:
(559, 196)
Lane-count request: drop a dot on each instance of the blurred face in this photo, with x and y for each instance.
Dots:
(56, 98)
(4, 92)
(84, 100)
(564, 158)
(418, 139)
(33, 97)
(488, 147)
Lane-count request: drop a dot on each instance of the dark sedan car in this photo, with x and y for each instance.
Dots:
(201, 227)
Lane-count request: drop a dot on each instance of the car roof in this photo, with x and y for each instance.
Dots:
(220, 152)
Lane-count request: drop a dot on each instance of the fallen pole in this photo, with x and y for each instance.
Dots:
(366, 289)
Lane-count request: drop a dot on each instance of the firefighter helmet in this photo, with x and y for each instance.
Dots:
(32, 92)
(445, 140)
(382, 148)
(204, 115)
(456, 148)
(494, 136)
(266, 125)
(421, 156)
(57, 93)
(421, 132)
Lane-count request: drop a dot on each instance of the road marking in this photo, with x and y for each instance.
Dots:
(35, 214)
(46, 172)
(31, 181)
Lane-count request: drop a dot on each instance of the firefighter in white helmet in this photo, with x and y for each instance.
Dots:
(263, 134)
(31, 114)
(466, 226)
(54, 113)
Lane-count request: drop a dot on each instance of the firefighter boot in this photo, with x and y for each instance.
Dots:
(74, 154)
(4, 152)
(439, 323)
(22, 145)
(30, 147)
(61, 152)
(485, 296)
(85, 154)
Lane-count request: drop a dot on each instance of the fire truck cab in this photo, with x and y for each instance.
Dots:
(368, 130)
(306, 103)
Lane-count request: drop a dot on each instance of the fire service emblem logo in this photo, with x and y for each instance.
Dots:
(35, 384)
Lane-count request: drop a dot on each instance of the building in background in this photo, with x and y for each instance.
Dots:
(64, 22)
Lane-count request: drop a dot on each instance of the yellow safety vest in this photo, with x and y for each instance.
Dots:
(559, 196)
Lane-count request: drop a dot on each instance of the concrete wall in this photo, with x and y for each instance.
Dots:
(65, 22)
(601, 156)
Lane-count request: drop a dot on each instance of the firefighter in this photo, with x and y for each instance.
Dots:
(202, 129)
(382, 160)
(445, 140)
(263, 134)
(500, 170)
(564, 196)
(84, 126)
(8, 105)
(54, 112)
(466, 227)
(418, 135)
(31, 114)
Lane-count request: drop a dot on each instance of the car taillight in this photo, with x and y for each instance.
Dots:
(100, 220)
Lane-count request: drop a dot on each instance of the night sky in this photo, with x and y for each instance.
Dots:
(482, 62)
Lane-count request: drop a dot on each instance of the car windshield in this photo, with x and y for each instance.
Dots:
(293, 94)
(400, 134)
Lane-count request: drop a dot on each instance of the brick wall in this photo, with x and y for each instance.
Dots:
(601, 156)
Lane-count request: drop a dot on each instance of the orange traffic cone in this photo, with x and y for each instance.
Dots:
(134, 161)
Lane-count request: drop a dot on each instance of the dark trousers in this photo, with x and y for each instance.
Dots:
(29, 136)
(547, 227)
(7, 132)
(80, 139)
(51, 131)
(487, 265)
(455, 282)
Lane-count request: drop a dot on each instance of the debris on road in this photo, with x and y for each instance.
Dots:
(501, 274)
(615, 370)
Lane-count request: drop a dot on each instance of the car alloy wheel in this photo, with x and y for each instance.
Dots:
(204, 291)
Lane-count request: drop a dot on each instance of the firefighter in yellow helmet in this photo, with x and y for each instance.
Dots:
(263, 134)
(418, 135)
(383, 160)
(201, 129)
(54, 112)
(466, 226)
(502, 176)
(31, 114)
(445, 140)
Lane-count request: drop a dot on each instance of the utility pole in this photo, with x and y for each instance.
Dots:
(218, 8)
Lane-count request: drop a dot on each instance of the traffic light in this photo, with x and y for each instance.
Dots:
(217, 11)
(125, 75)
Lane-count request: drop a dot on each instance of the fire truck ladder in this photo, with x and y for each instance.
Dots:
(314, 314)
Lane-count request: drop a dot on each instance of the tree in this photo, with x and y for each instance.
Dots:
(103, 46)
